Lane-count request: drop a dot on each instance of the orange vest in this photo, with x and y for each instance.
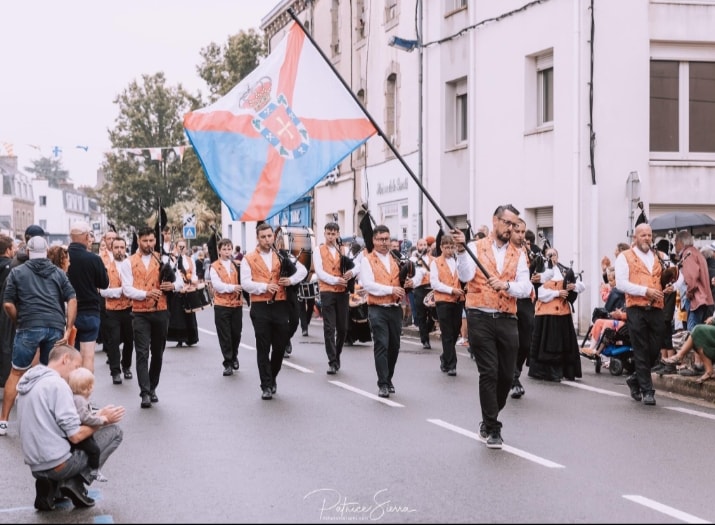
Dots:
(188, 271)
(115, 281)
(106, 259)
(556, 306)
(479, 293)
(383, 277)
(146, 279)
(639, 274)
(331, 265)
(261, 274)
(444, 274)
(232, 299)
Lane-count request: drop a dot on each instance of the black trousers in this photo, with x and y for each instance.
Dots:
(271, 323)
(494, 343)
(386, 325)
(645, 328)
(450, 324)
(305, 312)
(421, 312)
(149, 338)
(117, 329)
(229, 325)
(336, 306)
(525, 321)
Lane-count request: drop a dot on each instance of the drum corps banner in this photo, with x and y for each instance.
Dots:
(278, 132)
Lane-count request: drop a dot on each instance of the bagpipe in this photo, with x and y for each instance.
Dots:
(570, 277)
(287, 269)
(347, 263)
(166, 269)
(406, 266)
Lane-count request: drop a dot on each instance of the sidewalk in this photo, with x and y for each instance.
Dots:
(673, 383)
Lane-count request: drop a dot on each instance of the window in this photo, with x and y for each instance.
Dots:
(682, 108)
(43, 224)
(544, 90)
(455, 5)
(392, 11)
(335, 27)
(456, 111)
(43, 200)
(390, 108)
(461, 119)
(360, 19)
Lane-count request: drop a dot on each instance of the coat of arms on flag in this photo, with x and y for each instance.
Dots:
(278, 132)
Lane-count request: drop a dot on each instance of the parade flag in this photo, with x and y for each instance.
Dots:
(278, 132)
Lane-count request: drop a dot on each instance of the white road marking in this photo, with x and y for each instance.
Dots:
(506, 448)
(692, 412)
(665, 509)
(384, 400)
(206, 331)
(576, 384)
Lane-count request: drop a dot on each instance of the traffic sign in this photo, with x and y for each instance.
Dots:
(189, 219)
(189, 232)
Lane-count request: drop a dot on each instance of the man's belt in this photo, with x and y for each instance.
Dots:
(493, 315)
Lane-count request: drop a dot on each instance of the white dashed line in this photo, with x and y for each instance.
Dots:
(383, 400)
(665, 509)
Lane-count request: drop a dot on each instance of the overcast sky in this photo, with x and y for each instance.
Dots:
(64, 62)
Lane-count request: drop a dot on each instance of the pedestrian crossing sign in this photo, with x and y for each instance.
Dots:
(189, 232)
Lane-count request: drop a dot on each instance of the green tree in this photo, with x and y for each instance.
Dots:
(150, 116)
(51, 169)
(224, 67)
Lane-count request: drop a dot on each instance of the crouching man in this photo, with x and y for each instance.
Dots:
(49, 425)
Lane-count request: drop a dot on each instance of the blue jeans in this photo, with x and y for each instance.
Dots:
(26, 342)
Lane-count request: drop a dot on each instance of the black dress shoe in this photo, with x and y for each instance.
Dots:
(383, 392)
(146, 401)
(117, 379)
(127, 374)
(234, 364)
(228, 371)
(331, 370)
(443, 368)
(75, 490)
(391, 388)
(152, 397)
(45, 490)
(452, 372)
(266, 394)
(178, 345)
(426, 346)
(289, 350)
(632, 383)
(305, 332)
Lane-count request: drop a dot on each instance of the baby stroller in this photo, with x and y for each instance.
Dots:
(613, 343)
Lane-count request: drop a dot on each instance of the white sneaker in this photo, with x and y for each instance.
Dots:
(460, 341)
(3, 428)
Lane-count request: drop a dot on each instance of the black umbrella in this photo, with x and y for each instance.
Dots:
(679, 220)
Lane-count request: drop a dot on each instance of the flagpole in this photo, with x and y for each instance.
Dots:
(385, 138)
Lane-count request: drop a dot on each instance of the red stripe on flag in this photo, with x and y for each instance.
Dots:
(289, 68)
(267, 188)
(220, 121)
(339, 129)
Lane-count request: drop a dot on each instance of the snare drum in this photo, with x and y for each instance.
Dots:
(308, 290)
(196, 300)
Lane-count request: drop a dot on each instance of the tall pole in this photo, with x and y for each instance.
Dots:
(420, 131)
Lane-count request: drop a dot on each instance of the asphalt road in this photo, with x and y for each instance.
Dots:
(327, 449)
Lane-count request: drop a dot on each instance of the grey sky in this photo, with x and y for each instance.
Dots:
(65, 62)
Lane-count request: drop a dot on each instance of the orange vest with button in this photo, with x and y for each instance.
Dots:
(231, 299)
(261, 274)
(115, 281)
(556, 306)
(146, 279)
(479, 293)
(445, 276)
(638, 274)
(383, 277)
(331, 265)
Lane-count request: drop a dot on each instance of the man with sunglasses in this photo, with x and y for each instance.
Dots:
(491, 313)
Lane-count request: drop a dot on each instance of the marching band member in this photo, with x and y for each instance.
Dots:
(228, 305)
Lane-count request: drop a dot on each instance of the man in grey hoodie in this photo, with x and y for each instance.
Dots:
(49, 424)
(34, 299)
